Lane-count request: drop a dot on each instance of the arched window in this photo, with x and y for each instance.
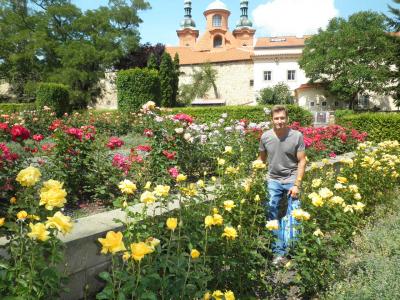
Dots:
(217, 41)
(217, 21)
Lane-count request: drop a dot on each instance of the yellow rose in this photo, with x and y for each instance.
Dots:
(59, 221)
(172, 223)
(339, 186)
(213, 179)
(209, 221)
(342, 179)
(217, 219)
(13, 200)
(359, 206)
(258, 164)
(112, 243)
(181, 178)
(220, 161)
(189, 191)
(153, 242)
(215, 210)
(318, 232)
(348, 208)
(29, 176)
(357, 196)
(229, 204)
(229, 295)
(257, 198)
(247, 185)
(317, 201)
(52, 194)
(228, 150)
(2, 221)
(325, 193)
(336, 200)
(300, 214)
(139, 250)
(316, 182)
(272, 225)
(207, 296)
(148, 185)
(230, 233)
(217, 295)
(38, 232)
(194, 254)
(231, 170)
(22, 215)
(162, 190)
(126, 256)
(147, 197)
(200, 183)
(127, 187)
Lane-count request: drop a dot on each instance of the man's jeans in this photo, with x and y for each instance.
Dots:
(287, 224)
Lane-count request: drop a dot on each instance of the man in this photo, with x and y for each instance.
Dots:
(285, 150)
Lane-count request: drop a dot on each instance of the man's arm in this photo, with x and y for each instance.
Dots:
(263, 156)
(301, 168)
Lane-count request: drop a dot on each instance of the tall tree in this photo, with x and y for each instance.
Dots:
(139, 57)
(55, 41)
(352, 56)
(394, 22)
(152, 62)
(167, 80)
(177, 73)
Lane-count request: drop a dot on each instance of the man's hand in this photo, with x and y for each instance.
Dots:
(294, 192)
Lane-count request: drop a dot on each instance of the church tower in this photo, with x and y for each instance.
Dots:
(188, 33)
(244, 32)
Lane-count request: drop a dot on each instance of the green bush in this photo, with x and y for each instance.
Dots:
(251, 113)
(53, 95)
(380, 126)
(136, 87)
(8, 108)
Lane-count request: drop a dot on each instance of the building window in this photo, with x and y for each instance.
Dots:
(336, 103)
(267, 75)
(291, 75)
(324, 103)
(217, 21)
(312, 103)
(217, 41)
(251, 82)
(363, 101)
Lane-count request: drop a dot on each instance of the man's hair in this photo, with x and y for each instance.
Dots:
(278, 108)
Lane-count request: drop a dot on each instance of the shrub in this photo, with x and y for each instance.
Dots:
(251, 113)
(15, 107)
(53, 95)
(278, 94)
(136, 87)
(379, 126)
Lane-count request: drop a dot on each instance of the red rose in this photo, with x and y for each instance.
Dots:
(19, 133)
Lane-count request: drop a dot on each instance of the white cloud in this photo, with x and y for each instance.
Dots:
(293, 17)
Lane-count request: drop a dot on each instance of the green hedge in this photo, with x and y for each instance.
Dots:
(136, 87)
(380, 126)
(53, 95)
(8, 108)
(251, 113)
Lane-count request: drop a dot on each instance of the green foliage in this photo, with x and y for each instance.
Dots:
(278, 94)
(53, 95)
(203, 79)
(54, 41)
(152, 62)
(251, 113)
(370, 268)
(167, 81)
(176, 78)
(16, 107)
(395, 21)
(379, 126)
(352, 56)
(136, 87)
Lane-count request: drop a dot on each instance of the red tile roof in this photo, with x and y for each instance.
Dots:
(281, 41)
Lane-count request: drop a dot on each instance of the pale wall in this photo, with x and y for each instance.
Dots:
(233, 81)
(108, 99)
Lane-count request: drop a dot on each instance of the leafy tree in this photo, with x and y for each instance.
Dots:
(152, 62)
(176, 77)
(395, 25)
(167, 80)
(203, 80)
(138, 58)
(54, 41)
(351, 56)
(278, 94)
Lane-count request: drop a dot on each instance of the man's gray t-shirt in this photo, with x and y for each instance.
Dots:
(282, 154)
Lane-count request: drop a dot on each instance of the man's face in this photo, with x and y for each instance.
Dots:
(279, 120)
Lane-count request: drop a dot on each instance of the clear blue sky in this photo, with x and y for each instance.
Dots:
(162, 20)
